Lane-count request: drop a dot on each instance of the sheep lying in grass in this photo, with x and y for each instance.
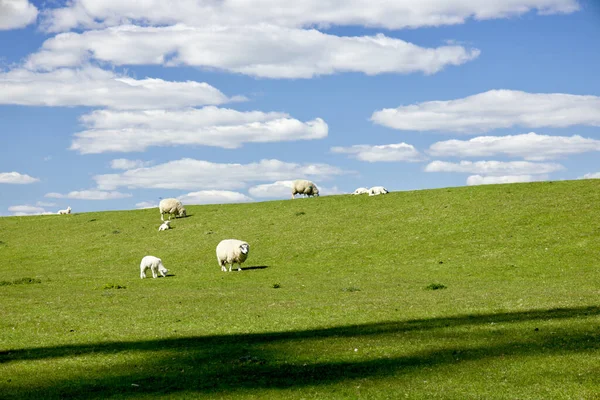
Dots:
(153, 263)
(375, 190)
(232, 251)
(171, 206)
(302, 186)
(361, 190)
(165, 225)
(66, 211)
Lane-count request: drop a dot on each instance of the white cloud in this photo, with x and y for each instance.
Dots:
(529, 146)
(209, 126)
(16, 178)
(494, 168)
(267, 51)
(594, 175)
(277, 189)
(146, 204)
(379, 153)
(214, 197)
(91, 86)
(90, 195)
(45, 204)
(190, 174)
(16, 14)
(492, 180)
(23, 210)
(375, 13)
(494, 109)
(123, 163)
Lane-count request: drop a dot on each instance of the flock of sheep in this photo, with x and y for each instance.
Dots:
(229, 251)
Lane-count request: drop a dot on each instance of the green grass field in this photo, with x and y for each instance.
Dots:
(489, 292)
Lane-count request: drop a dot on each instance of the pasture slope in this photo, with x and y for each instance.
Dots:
(336, 299)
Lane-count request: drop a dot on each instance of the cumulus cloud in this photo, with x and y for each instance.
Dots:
(123, 163)
(90, 195)
(374, 13)
(494, 168)
(266, 51)
(17, 178)
(379, 153)
(23, 210)
(592, 175)
(95, 87)
(191, 174)
(214, 197)
(16, 14)
(494, 109)
(492, 180)
(146, 204)
(530, 146)
(277, 189)
(209, 126)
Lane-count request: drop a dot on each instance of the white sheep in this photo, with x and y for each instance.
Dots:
(232, 251)
(375, 190)
(165, 225)
(302, 186)
(361, 190)
(171, 206)
(153, 263)
(66, 211)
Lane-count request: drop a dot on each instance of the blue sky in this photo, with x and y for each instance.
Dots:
(113, 105)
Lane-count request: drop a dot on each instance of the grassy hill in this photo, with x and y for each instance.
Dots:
(474, 292)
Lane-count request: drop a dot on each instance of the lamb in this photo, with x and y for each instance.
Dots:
(153, 263)
(302, 186)
(375, 190)
(361, 190)
(66, 211)
(165, 225)
(232, 251)
(171, 206)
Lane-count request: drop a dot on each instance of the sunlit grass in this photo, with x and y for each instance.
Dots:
(340, 298)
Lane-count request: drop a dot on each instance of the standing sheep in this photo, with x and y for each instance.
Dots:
(302, 186)
(171, 206)
(375, 190)
(165, 225)
(153, 263)
(232, 251)
(361, 190)
(67, 211)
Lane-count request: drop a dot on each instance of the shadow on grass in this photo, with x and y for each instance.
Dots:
(255, 267)
(227, 363)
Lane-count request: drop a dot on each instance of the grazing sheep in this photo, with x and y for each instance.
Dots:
(375, 190)
(302, 186)
(67, 211)
(171, 206)
(232, 251)
(153, 263)
(361, 190)
(165, 225)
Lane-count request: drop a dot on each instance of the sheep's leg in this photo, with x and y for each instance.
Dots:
(154, 274)
(142, 274)
(230, 265)
(223, 268)
(239, 267)
(162, 217)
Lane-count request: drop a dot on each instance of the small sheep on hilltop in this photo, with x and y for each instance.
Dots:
(171, 206)
(302, 186)
(66, 211)
(361, 190)
(154, 264)
(232, 251)
(165, 225)
(375, 190)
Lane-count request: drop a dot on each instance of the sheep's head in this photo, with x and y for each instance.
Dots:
(315, 191)
(162, 269)
(245, 248)
(182, 212)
